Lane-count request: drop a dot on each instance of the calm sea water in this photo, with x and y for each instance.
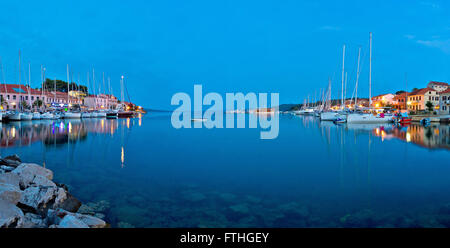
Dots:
(145, 173)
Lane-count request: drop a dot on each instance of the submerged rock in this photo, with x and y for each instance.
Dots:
(362, 219)
(64, 219)
(240, 208)
(124, 225)
(70, 221)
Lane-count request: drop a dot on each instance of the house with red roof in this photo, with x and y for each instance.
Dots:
(15, 94)
(418, 99)
(438, 86)
(400, 101)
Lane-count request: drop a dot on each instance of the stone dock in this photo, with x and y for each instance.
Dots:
(433, 118)
(30, 199)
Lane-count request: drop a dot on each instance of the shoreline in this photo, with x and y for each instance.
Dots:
(29, 198)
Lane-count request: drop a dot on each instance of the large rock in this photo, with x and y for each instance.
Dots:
(91, 221)
(14, 157)
(59, 217)
(33, 174)
(10, 178)
(33, 221)
(6, 168)
(38, 199)
(10, 215)
(10, 193)
(66, 201)
(70, 221)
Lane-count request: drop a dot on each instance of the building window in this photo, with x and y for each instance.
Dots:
(14, 97)
(7, 96)
(32, 98)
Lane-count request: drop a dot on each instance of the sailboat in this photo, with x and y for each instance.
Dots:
(361, 118)
(69, 114)
(123, 113)
(328, 115)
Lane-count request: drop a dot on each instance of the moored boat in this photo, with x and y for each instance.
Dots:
(26, 116)
(71, 115)
(47, 116)
(36, 116)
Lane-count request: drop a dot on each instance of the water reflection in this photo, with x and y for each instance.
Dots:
(56, 132)
(435, 136)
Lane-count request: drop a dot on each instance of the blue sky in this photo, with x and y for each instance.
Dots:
(289, 47)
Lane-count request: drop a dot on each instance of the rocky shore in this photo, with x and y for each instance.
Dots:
(30, 199)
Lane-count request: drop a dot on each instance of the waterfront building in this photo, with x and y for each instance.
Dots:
(383, 100)
(14, 94)
(399, 101)
(438, 86)
(100, 101)
(59, 99)
(418, 99)
(444, 102)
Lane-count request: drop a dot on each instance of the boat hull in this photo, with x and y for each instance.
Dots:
(125, 114)
(367, 118)
(70, 115)
(329, 116)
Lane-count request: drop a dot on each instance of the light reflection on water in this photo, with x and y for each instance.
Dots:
(314, 174)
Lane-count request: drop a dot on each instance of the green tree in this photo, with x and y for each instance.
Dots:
(61, 86)
(38, 103)
(24, 105)
(429, 106)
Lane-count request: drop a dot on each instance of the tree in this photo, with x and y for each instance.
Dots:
(429, 106)
(24, 105)
(400, 92)
(61, 86)
(414, 89)
(38, 103)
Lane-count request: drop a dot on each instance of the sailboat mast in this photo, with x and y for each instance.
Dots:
(357, 79)
(68, 79)
(370, 69)
(343, 72)
(29, 84)
(20, 85)
(345, 87)
(93, 83)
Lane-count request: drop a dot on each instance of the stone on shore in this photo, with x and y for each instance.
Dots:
(33, 221)
(10, 193)
(70, 221)
(65, 219)
(13, 157)
(10, 215)
(30, 199)
(38, 199)
(33, 174)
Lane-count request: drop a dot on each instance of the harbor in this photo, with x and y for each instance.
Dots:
(56, 99)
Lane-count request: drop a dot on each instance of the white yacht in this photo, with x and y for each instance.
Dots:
(47, 116)
(86, 115)
(26, 116)
(36, 116)
(368, 118)
(329, 116)
(15, 116)
(71, 115)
